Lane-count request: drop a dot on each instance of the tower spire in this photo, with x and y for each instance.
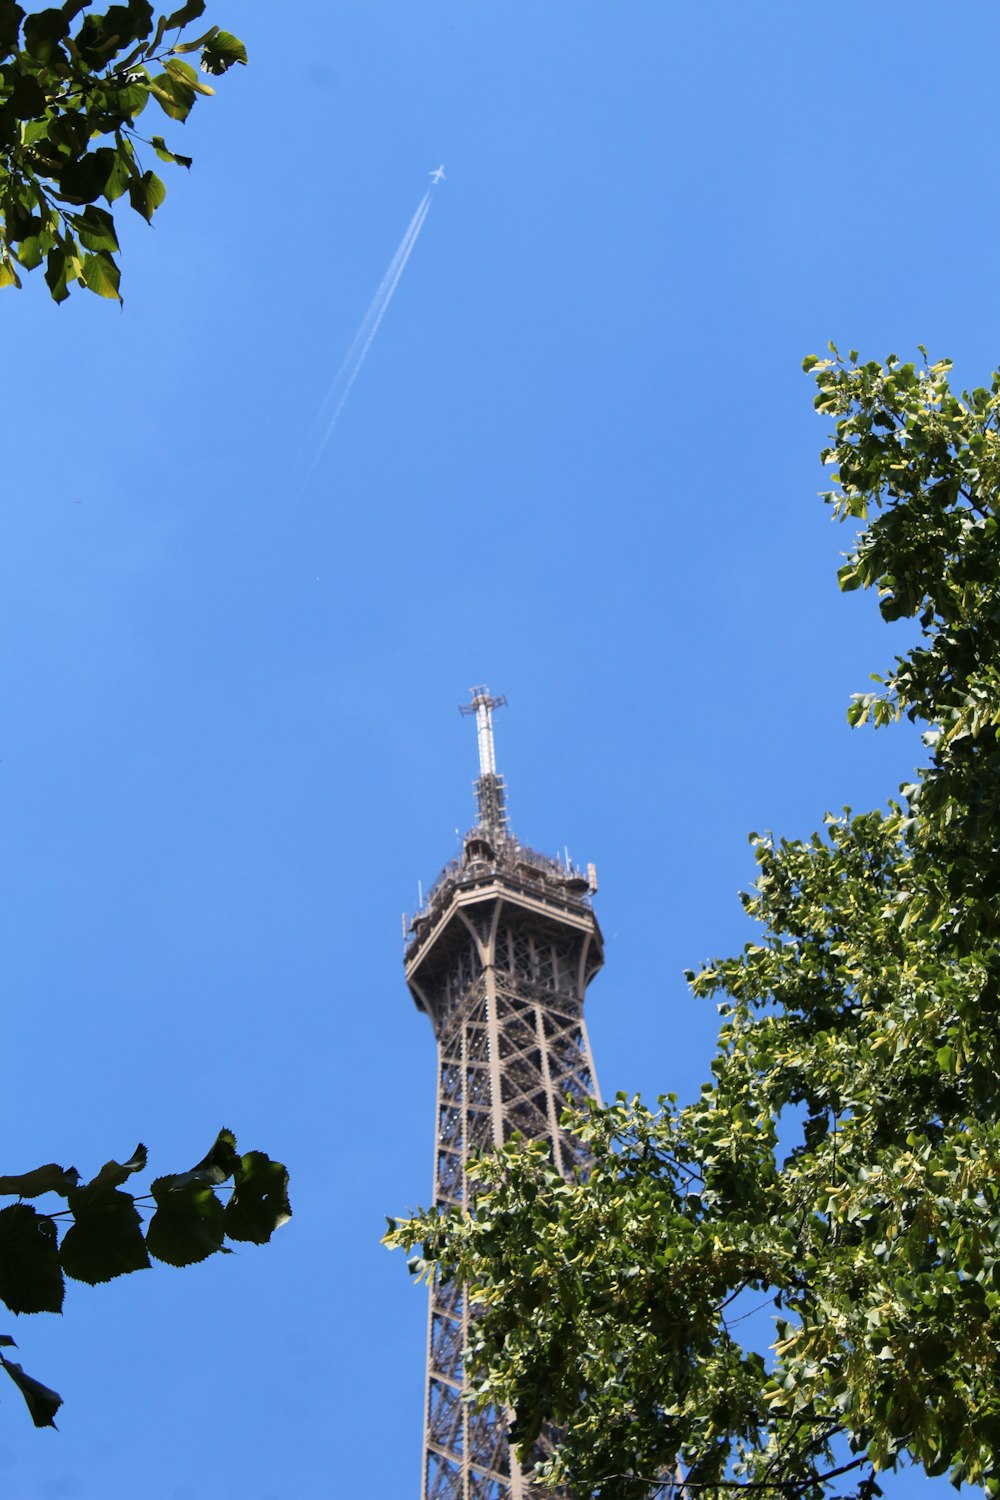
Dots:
(491, 794)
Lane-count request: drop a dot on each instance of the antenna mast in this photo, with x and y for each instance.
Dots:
(491, 794)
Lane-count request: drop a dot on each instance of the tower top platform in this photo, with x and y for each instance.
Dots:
(494, 865)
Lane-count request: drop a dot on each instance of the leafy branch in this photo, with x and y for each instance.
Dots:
(69, 100)
(107, 1237)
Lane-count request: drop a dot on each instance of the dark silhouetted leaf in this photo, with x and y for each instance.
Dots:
(114, 1173)
(57, 273)
(259, 1204)
(42, 1402)
(85, 179)
(128, 22)
(187, 12)
(188, 1223)
(105, 1239)
(71, 131)
(30, 1275)
(11, 16)
(220, 1162)
(114, 31)
(43, 31)
(48, 1179)
(27, 97)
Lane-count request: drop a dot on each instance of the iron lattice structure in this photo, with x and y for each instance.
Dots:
(500, 959)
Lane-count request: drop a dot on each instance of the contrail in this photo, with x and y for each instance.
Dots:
(362, 341)
(377, 311)
(384, 287)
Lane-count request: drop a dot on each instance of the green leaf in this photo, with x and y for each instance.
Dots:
(122, 173)
(100, 275)
(146, 193)
(57, 268)
(30, 1275)
(105, 1239)
(190, 11)
(8, 274)
(221, 52)
(259, 1204)
(162, 150)
(47, 1179)
(183, 74)
(130, 100)
(173, 96)
(96, 230)
(42, 33)
(41, 1402)
(195, 42)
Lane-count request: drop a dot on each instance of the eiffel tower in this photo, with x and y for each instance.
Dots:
(499, 958)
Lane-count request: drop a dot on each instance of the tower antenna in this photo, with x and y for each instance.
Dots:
(491, 794)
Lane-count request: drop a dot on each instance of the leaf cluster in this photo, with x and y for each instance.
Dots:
(73, 83)
(842, 1164)
(101, 1232)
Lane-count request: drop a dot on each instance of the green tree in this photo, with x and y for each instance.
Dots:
(73, 84)
(100, 1232)
(863, 1026)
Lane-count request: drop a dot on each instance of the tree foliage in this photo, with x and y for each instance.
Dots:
(842, 1166)
(101, 1233)
(73, 83)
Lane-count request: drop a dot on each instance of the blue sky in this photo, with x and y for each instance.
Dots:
(580, 465)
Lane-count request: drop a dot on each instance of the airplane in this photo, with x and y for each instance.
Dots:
(437, 175)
